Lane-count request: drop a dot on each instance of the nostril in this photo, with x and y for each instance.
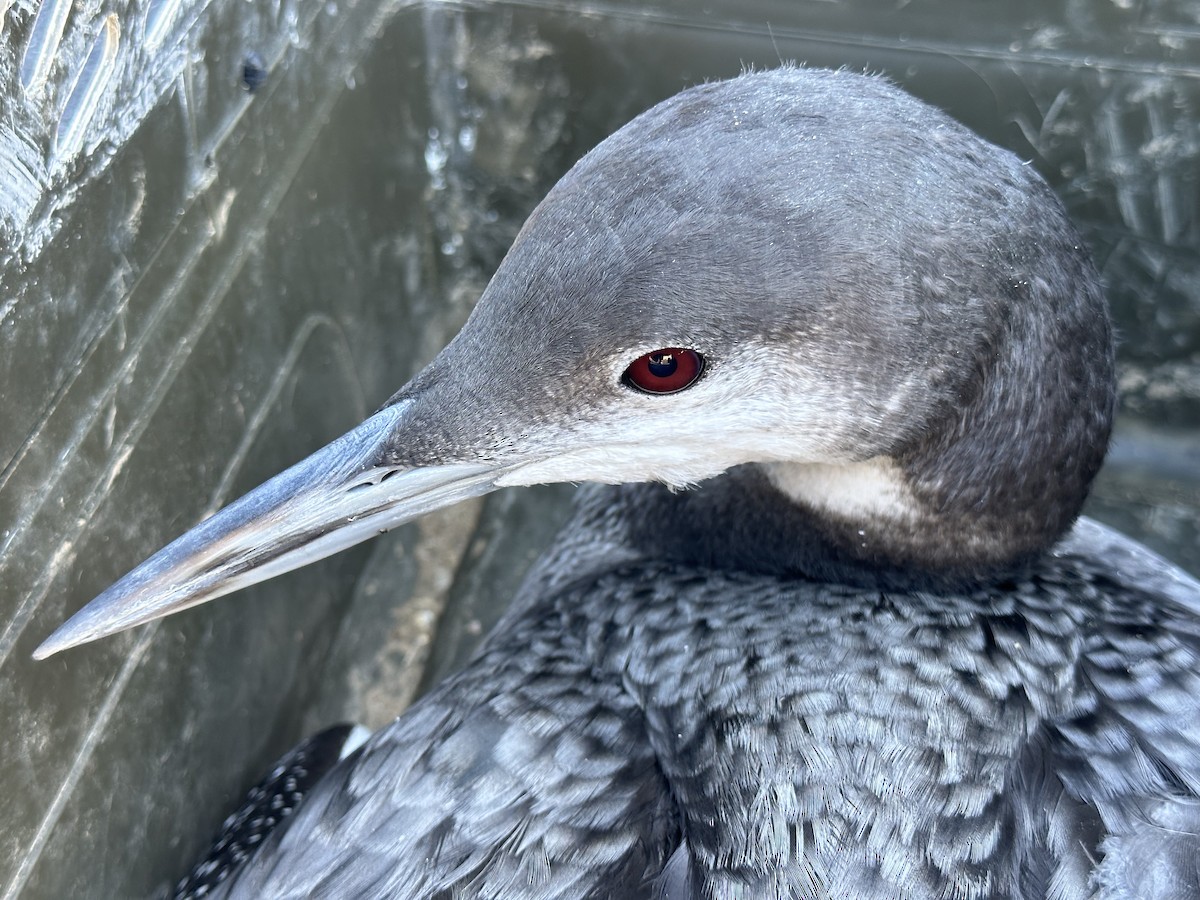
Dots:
(372, 478)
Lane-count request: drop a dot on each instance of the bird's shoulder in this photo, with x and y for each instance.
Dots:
(528, 774)
(1036, 735)
(1132, 749)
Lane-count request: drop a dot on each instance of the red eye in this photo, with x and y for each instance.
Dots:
(665, 371)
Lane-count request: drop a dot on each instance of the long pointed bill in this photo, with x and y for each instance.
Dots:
(339, 496)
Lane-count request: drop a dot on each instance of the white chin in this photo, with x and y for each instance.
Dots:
(618, 465)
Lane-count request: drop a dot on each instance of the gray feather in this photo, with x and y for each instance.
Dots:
(810, 740)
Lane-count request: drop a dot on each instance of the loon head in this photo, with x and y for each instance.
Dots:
(804, 270)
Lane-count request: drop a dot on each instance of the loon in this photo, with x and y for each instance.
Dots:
(828, 623)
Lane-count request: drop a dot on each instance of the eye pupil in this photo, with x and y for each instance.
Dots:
(661, 365)
(664, 371)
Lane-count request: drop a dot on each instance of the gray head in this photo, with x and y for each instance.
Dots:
(890, 317)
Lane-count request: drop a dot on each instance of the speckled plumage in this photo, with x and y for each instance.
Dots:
(267, 804)
(1033, 738)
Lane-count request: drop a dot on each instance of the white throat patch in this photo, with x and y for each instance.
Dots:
(872, 490)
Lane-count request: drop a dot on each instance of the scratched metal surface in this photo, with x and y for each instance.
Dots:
(199, 284)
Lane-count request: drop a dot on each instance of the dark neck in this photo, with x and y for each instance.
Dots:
(1007, 470)
(741, 522)
(1016, 418)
